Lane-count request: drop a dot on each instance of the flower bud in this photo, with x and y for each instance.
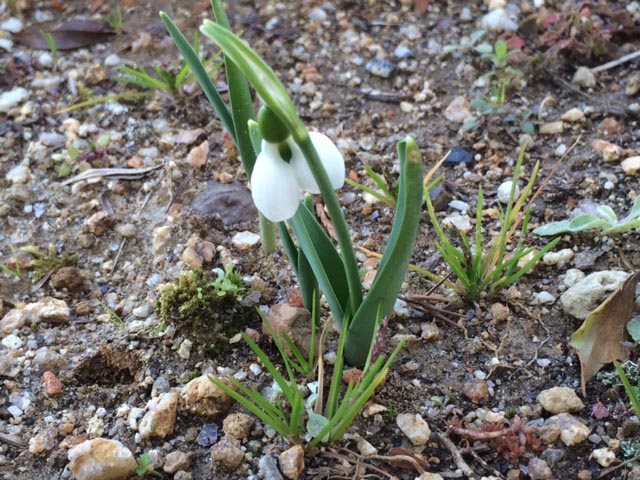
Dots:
(271, 127)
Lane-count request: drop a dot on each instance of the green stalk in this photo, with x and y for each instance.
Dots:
(336, 215)
(242, 112)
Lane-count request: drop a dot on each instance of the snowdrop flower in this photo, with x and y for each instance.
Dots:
(281, 171)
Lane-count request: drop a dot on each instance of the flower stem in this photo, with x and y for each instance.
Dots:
(267, 235)
(336, 214)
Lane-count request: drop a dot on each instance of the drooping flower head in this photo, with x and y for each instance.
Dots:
(281, 170)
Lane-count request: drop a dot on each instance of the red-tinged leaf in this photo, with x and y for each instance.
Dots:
(597, 341)
(599, 411)
(421, 6)
(515, 43)
(75, 34)
(550, 19)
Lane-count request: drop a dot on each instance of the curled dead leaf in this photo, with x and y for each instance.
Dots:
(598, 340)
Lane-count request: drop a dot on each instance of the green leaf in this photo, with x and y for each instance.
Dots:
(315, 424)
(484, 48)
(395, 261)
(200, 74)
(239, 96)
(633, 327)
(259, 74)
(324, 259)
(607, 213)
(553, 228)
(587, 222)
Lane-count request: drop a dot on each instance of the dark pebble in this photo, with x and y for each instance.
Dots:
(208, 435)
(457, 156)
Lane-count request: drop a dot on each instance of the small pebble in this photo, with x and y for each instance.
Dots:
(245, 240)
(112, 60)
(504, 192)
(631, 165)
(572, 116)
(11, 98)
(12, 24)
(584, 78)
(459, 110)
(380, 68)
(551, 128)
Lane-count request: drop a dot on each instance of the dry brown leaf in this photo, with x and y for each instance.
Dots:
(74, 34)
(597, 341)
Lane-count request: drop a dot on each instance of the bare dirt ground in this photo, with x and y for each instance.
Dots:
(367, 74)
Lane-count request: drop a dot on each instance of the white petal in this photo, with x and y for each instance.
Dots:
(331, 160)
(274, 187)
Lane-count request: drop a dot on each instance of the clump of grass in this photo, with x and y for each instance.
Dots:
(206, 307)
(481, 267)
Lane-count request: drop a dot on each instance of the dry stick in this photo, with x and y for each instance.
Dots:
(124, 239)
(615, 63)
(120, 173)
(356, 461)
(446, 442)
(12, 441)
(481, 461)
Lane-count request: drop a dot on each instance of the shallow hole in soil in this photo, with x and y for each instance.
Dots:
(109, 367)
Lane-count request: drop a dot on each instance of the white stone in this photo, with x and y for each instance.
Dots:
(184, 351)
(604, 456)
(572, 430)
(458, 221)
(45, 59)
(365, 448)
(414, 427)
(560, 400)
(631, 165)
(572, 277)
(498, 20)
(6, 44)
(101, 459)
(584, 77)
(245, 240)
(19, 174)
(583, 297)
(112, 60)
(573, 115)
(13, 25)
(160, 418)
(504, 192)
(551, 128)
(11, 98)
(317, 15)
(558, 258)
(543, 298)
(12, 342)
(459, 110)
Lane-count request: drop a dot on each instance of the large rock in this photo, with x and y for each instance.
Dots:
(583, 297)
(560, 400)
(572, 430)
(160, 417)
(202, 397)
(101, 459)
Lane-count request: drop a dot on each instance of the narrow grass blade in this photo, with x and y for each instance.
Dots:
(200, 74)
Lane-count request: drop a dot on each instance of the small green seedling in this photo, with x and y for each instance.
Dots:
(466, 44)
(603, 218)
(168, 79)
(14, 273)
(115, 20)
(145, 468)
(385, 193)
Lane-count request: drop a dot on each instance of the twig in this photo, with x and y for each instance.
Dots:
(446, 442)
(481, 461)
(124, 239)
(179, 190)
(11, 440)
(356, 461)
(120, 173)
(477, 436)
(615, 63)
